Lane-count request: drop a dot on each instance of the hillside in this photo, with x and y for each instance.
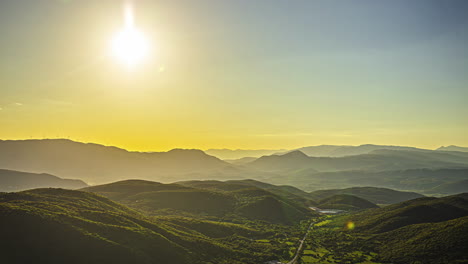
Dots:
(60, 226)
(424, 230)
(65, 226)
(417, 211)
(283, 190)
(97, 163)
(345, 202)
(13, 181)
(372, 194)
(444, 242)
(203, 199)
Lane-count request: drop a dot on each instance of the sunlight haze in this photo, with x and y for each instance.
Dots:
(235, 74)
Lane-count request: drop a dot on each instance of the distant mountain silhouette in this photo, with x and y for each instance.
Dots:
(453, 148)
(421, 180)
(232, 154)
(97, 163)
(289, 161)
(13, 181)
(376, 160)
(342, 151)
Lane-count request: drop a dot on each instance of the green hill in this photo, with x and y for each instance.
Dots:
(417, 211)
(423, 230)
(13, 181)
(205, 199)
(64, 226)
(285, 191)
(372, 194)
(345, 202)
(444, 242)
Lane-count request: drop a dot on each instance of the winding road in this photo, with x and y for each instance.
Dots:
(301, 245)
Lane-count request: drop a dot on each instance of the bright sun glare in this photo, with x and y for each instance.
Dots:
(130, 45)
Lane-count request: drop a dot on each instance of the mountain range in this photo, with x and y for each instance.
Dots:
(97, 163)
(401, 168)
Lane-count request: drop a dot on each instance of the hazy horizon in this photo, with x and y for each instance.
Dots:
(225, 148)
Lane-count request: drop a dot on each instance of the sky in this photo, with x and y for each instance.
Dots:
(263, 74)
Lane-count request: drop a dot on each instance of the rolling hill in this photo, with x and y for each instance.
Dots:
(416, 211)
(61, 226)
(290, 192)
(212, 199)
(443, 242)
(13, 181)
(65, 226)
(423, 230)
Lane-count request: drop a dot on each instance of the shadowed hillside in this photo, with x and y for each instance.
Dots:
(345, 202)
(372, 194)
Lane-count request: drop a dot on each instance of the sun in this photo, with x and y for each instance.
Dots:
(130, 46)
